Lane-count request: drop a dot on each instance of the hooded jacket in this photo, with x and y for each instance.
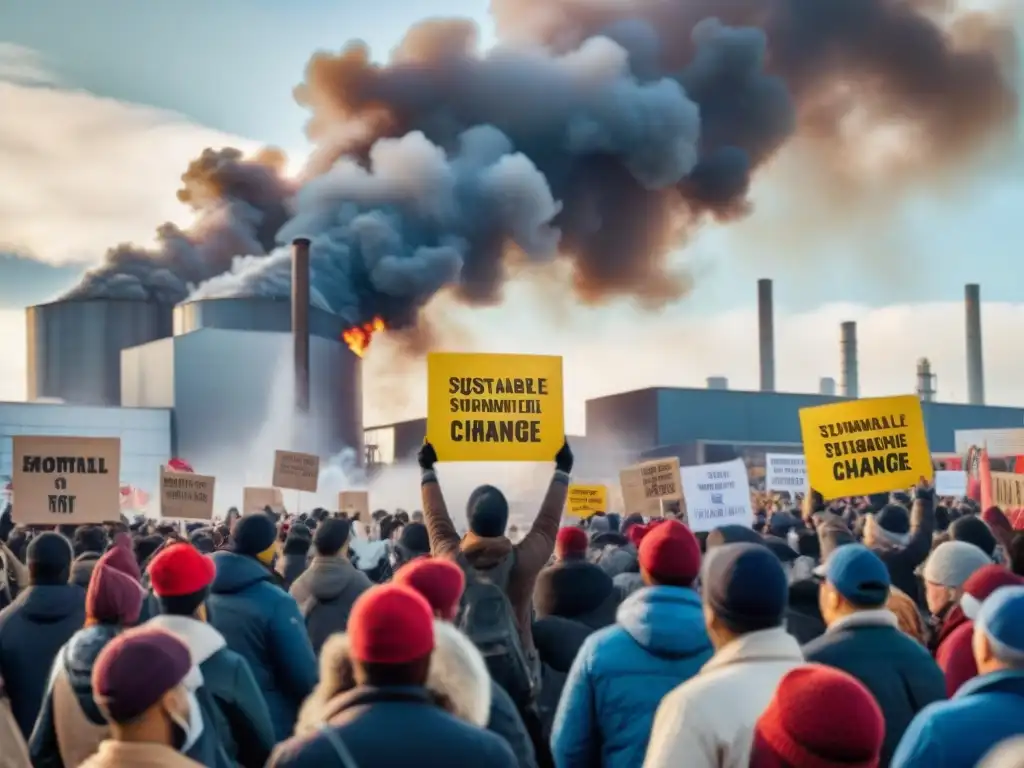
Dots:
(621, 674)
(262, 623)
(558, 641)
(484, 553)
(902, 561)
(325, 593)
(82, 568)
(33, 629)
(241, 718)
(458, 679)
(578, 590)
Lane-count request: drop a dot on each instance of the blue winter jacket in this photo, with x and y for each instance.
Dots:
(961, 731)
(262, 622)
(622, 672)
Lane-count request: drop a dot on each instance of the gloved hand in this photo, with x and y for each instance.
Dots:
(564, 458)
(427, 456)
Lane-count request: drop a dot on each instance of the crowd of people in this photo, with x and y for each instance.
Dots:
(882, 631)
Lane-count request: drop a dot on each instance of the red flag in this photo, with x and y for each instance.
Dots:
(955, 464)
(985, 479)
(179, 465)
(1018, 465)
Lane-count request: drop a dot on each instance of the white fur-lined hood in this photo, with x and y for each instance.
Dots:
(457, 672)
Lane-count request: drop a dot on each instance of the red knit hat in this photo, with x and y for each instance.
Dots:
(982, 583)
(439, 581)
(797, 728)
(670, 552)
(571, 542)
(180, 569)
(390, 624)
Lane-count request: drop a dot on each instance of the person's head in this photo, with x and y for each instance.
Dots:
(856, 579)
(571, 543)
(441, 582)
(49, 559)
(745, 591)
(255, 535)
(669, 555)
(331, 537)
(297, 545)
(90, 539)
(797, 727)
(113, 596)
(998, 641)
(414, 542)
(974, 531)
(145, 546)
(947, 569)
(982, 583)
(487, 512)
(391, 637)
(890, 526)
(1015, 553)
(181, 577)
(138, 684)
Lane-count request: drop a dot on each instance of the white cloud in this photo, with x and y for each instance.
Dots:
(79, 173)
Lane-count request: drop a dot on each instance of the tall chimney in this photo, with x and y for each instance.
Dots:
(766, 334)
(975, 366)
(300, 321)
(848, 350)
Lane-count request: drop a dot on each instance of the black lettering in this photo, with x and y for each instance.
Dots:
(542, 387)
(505, 431)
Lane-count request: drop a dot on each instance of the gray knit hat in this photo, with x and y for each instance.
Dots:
(953, 562)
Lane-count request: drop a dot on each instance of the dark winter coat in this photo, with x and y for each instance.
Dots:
(32, 630)
(426, 735)
(262, 622)
(577, 590)
(82, 568)
(803, 617)
(325, 594)
(900, 674)
(901, 561)
(289, 567)
(558, 641)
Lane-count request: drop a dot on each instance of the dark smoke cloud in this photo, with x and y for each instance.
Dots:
(603, 132)
(239, 206)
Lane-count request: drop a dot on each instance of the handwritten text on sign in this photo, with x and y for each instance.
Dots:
(586, 500)
(785, 472)
(483, 407)
(865, 446)
(186, 496)
(298, 471)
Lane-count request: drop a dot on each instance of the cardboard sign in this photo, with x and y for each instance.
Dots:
(298, 471)
(186, 495)
(717, 495)
(950, 482)
(495, 407)
(645, 485)
(66, 480)
(1007, 490)
(584, 501)
(785, 472)
(865, 446)
(258, 499)
(355, 502)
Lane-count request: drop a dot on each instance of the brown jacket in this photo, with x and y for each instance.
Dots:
(77, 736)
(532, 553)
(123, 754)
(13, 750)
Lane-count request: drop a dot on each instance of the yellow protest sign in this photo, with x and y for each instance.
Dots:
(1007, 490)
(583, 501)
(865, 446)
(483, 407)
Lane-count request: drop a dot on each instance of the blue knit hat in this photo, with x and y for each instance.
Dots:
(1002, 620)
(746, 587)
(487, 511)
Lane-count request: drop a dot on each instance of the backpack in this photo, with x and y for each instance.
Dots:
(486, 617)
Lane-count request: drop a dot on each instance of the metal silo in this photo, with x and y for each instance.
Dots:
(74, 347)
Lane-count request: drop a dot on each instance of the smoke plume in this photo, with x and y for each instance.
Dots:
(602, 132)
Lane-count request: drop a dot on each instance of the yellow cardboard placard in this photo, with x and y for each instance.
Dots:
(584, 501)
(865, 446)
(483, 407)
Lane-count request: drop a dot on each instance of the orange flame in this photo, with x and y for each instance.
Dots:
(358, 337)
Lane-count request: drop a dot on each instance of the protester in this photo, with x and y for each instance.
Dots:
(903, 540)
(261, 621)
(89, 544)
(391, 640)
(574, 588)
(701, 723)
(441, 583)
(908, 615)
(294, 555)
(819, 717)
(413, 542)
(236, 709)
(863, 639)
(327, 590)
(37, 625)
(985, 710)
(622, 673)
(70, 726)
(151, 722)
(948, 567)
(974, 531)
(13, 750)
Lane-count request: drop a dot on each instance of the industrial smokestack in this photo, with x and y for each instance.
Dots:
(975, 366)
(766, 334)
(827, 386)
(848, 350)
(300, 321)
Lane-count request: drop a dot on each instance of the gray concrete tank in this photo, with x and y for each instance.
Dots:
(74, 347)
(252, 315)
